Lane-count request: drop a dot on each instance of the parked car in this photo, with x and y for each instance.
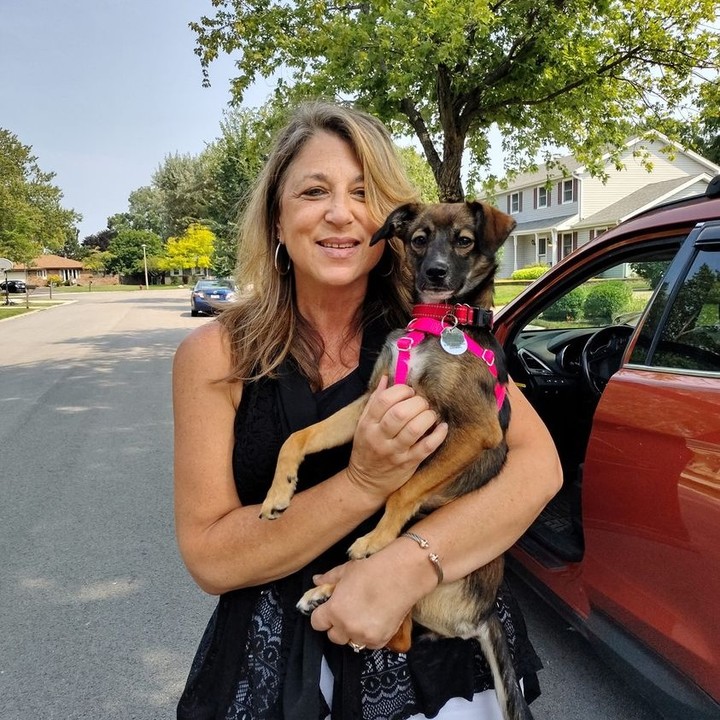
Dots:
(629, 550)
(13, 286)
(209, 296)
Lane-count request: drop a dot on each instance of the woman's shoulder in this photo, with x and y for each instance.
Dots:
(205, 352)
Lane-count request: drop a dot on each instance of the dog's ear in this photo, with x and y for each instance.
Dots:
(397, 222)
(495, 224)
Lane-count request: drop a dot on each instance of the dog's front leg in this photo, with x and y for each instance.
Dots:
(331, 432)
(455, 455)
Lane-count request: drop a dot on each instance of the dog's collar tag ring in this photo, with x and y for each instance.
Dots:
(452, 340)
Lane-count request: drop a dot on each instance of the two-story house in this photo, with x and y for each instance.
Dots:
(556, 213)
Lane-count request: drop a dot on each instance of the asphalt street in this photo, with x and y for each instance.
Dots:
(99, 617)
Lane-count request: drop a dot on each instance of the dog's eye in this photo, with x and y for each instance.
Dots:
(463, 242)
(418, 241)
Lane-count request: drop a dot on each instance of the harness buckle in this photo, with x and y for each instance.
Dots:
(405, 343)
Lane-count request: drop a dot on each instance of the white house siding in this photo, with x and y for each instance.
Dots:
(597, 195)
(529, 213)
(525, 256)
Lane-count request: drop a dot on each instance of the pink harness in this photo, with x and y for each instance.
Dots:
(418, 328)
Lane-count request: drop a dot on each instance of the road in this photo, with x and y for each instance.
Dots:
(99, 618)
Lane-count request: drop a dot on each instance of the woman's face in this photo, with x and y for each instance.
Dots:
(324, 221)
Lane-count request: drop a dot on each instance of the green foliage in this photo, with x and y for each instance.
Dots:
(101, 240)
(126, 251)
(31, 214)
(580, 75)
(54, 280)
(193, 249)
(98, 260)
(607, 300)
(419, 172)
(569, 307)
(146, 211)
(652, 272)
(530, 272)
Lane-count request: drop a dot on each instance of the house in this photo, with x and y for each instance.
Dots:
(46, 265)
(556, 213)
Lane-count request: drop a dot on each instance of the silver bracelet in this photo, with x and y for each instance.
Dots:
(432, 557)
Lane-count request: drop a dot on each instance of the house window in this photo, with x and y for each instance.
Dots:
(568, 243)
(567, 191)
(516, 202)
(543, 197)
(542, 247)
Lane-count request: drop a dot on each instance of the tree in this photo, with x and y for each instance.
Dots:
(184, 184)
(704, 133)
(31, 214)
(98, 260)
(239, 153)
(126, 250)
(580, 74)
(101, 240)
(419, 172)
(192, 249)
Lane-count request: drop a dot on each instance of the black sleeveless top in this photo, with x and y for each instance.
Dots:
(259, 658)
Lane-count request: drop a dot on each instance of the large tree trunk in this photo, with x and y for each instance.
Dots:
(450, 188)
(446, 169)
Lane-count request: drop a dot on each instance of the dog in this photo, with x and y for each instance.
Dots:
(449, 355)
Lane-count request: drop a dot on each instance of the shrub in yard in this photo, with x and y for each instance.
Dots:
(607, 300)
(55, 280)
(530, 272)
(568, 307)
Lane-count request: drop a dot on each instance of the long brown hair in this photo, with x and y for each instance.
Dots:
(265, 326)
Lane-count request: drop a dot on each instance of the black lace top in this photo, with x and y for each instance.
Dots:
(259, 659)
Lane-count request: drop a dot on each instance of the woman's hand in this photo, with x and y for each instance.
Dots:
(396, 432)
(373, 596)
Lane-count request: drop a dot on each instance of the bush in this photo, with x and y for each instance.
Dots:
(55, 280)
(568, 307)
(530, 272)
(607, 300)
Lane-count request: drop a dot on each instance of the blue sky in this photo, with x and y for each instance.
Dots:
(104, 90)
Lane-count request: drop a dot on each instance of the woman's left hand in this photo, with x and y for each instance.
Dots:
(371, 598)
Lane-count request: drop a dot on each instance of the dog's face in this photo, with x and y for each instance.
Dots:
(451, 246)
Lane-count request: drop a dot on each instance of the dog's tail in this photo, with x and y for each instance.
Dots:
(495, 648)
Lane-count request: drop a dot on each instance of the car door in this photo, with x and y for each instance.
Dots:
(651, 485)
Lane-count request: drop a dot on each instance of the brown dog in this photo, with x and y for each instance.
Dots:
(462, 374)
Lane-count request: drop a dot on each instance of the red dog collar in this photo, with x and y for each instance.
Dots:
(463, 313)
(418, 328)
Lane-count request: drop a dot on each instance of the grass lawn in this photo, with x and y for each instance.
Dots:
(111, 288)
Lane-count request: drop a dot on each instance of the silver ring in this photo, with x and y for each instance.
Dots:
(356, 648)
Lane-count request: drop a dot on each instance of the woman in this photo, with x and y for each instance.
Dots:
(300, 345)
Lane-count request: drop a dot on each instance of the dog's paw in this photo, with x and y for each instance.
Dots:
(314, 597)
(363, 547)
(278, 499)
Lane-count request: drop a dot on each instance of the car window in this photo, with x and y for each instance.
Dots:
(690, 339)
(617, 296)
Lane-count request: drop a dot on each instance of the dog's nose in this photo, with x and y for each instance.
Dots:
(437, 271)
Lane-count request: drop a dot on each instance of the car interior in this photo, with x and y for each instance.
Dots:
(562, 357)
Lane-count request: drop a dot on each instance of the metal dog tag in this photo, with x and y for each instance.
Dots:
(453, 341)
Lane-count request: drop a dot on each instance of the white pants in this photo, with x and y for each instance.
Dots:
(483, 706)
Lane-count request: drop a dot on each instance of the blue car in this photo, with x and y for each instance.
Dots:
(209, 296)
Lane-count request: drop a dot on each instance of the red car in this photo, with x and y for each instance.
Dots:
(618, 349)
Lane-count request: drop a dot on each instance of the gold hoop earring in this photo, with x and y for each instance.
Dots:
(276, 263)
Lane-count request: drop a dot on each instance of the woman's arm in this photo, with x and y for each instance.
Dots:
(223, 543)
(374, 595)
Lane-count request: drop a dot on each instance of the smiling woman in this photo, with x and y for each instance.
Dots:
(298, 345)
